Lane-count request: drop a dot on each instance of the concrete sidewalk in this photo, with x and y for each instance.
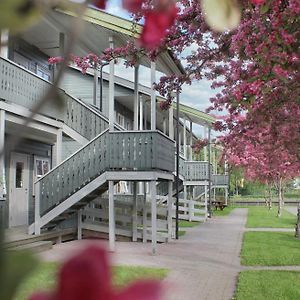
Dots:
(204, 264)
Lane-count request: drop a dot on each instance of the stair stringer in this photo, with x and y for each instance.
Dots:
(69, 202)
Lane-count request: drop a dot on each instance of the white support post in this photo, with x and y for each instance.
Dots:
(134, 212)
(58, 147)
(2, 157)
(205, 134)
(179, 140)
(191, 206)
(79, 224)
(214, 194)
(191, 140)
(205, 201)
(170, 204)
(141, 124)
(111, 216)
(111, 90)
(164, 126)
(95, 87)
(37, 228)
(226, 196)
(136, 98)
(153, 97)
(171, 125)
(4, 43)
(184, 139)
(153, 216)
(145, 215)
(185, 198)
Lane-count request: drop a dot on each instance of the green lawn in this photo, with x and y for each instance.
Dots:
(225, 212)
(263, 217)
(270, 249)
(186, 224)
(43, 278)
(273, 285)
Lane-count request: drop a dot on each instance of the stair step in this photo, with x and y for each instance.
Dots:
(35, 246)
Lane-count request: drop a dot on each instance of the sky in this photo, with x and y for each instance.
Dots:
(197, 95)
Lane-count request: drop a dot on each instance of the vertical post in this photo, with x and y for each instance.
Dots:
(136, 98)
(79, 224)
(205, 148)
(134, 212)
(2, 156)
(209, 173)
(4, 43)
(95, 86)
(153, 216)
(145, 215)
(61, 44)
(111, 216)
(177, 165)
(185, 199)
(191, 140)
(58, 147)
(170, 206)
(184, 139)
(37, 228)
(226, 196)
(111, 96)
(141, 125)
(171, 125)
(205, 201)
(153, 97)
(164, 126)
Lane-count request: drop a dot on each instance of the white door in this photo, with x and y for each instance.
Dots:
(19, 187)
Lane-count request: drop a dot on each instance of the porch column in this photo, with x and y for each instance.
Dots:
(153, 97)
(95, 87)
(191, 204)
(153, 216)
(185, 199)
(4, 43)
(58, 148)
(79, 224)
(191, 140)
(111, 216)
(184, 139)
(170, 207)
(111, 90)
(205, 137)
(145, 215)
(2, 154)
(141, 125)
(171, 125)
(164, 126)
(226, 196)
(37, 217)
(205, 201)
(134, 212)
(179, 140)
(136, 98)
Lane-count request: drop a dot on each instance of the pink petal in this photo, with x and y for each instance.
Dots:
(133, 6)
(100, 4)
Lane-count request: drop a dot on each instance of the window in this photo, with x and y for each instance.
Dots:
(19, 174)
(42, 166)
(43, 73)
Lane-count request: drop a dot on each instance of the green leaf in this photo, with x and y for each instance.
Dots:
(264, 8)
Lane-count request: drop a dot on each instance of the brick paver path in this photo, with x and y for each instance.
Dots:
(204, 264)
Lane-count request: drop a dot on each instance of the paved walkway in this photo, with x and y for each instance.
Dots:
(204, 263)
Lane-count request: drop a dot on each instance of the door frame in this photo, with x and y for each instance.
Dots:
(12, 179)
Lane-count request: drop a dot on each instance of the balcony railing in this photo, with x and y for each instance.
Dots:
(220, 179)
(196, 170)
(127, 150)
(22, 87)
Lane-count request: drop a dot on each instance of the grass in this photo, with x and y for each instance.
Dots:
(225, 212)
(181, 232)
(187, 224)
(43, 278)
(263, 217)
(270, 249)
(261, 285)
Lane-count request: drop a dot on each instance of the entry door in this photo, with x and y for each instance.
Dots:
(19, 189)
